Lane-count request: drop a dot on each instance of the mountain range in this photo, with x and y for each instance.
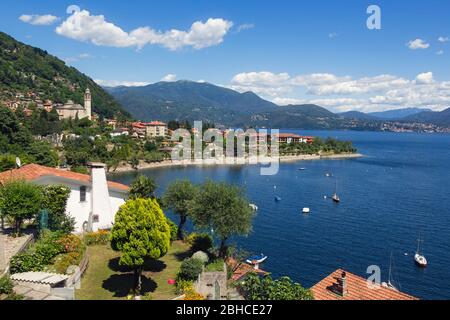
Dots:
(188, 100)
(25, 69)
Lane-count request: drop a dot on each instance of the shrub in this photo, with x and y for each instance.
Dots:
(97, 238)
(20, 200)
(202, 256)
(184, 286)
(199, 241)
(173, 230)
(71, 243)
(44, 252)
(25, 262)
(48, 247)
(55, 200)
(190, 269)
(6, 285)
(64, 261)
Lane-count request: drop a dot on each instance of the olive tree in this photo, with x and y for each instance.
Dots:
(141, 233)
(142, 187)
(177, 198)
(223, 208)
(20, 200)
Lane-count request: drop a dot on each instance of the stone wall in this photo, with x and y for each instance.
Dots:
(213, 285)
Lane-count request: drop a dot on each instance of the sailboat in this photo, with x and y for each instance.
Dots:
(390, 284)
(335, 197)
(421, 261)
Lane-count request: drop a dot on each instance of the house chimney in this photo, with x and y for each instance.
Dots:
(101, 216)
(344, 283)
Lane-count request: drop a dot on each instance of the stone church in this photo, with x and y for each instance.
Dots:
(72, 110)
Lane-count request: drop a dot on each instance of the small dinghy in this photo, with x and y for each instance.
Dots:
(256, 259)
(277, 198)
(253, 206)
(306, 210)
(302, 169)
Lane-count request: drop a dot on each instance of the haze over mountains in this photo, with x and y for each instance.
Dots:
(188, 100)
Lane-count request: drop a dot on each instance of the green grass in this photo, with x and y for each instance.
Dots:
(105, 279)
(216, 265)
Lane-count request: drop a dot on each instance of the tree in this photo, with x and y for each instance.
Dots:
(222, 207)
(142, 187)
(141, 233)
(266, 288)
(20, 200)
(177, 198)
(55, 200)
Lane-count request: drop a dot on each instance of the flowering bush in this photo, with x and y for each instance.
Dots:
(70, 243)
(192, 295)
(184, 286)
(97, 238)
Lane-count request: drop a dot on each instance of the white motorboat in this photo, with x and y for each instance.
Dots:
(256, 259)
(306, 210)
(253, 206)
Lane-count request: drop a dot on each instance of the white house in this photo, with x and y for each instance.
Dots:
(93, 200)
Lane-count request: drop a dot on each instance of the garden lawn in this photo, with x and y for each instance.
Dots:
(105, 279)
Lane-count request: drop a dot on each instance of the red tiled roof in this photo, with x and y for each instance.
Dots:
(242, 269)
(330, 288)
(155, 123)
(32, 172)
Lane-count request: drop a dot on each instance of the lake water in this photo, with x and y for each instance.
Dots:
(398, 190)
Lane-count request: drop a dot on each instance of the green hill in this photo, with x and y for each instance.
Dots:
(26, 69)
(188, 100)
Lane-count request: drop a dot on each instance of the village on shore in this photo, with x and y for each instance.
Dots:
(63, 223)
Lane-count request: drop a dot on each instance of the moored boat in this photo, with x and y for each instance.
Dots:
(419, 258)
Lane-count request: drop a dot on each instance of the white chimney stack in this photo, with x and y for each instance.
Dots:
(101, 212)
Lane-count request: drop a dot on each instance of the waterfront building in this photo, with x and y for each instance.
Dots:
(156, 129)
(93, 200)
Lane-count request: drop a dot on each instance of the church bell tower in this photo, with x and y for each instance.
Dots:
(88, 103)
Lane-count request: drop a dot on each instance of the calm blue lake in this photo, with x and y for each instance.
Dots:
(398, 190)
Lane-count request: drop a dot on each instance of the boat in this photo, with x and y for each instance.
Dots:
(253, 206)
(420, 259)
(277, 198)
(306, 210)
(256, 259)
(390, 284)
(302, 169)
(327, 174)
(335, 197)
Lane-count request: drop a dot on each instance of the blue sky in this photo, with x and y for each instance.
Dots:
(286, 51)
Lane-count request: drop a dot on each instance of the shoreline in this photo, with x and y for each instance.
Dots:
(125, 167)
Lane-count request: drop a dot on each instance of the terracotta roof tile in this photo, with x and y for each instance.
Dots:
(357, 289)
(32, 172)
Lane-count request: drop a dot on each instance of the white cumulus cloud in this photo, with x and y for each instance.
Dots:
(38, 20)
(344, 93)
(425, 78)
(83, 26)
(443, 39)
(169, 77)
(418, 44)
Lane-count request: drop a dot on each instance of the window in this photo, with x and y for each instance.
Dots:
(82, 194)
